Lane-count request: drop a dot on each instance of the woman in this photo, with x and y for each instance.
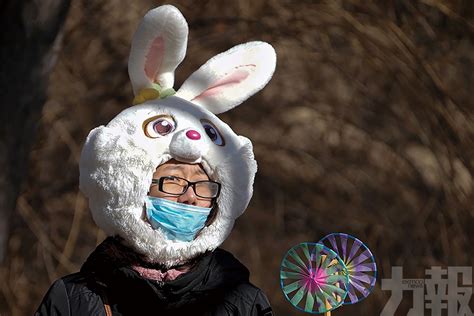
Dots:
(122, 282)
(165, 180)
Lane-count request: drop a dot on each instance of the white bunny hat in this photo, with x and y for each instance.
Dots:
(118, 160)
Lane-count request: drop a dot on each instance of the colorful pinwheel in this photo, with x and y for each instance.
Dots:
(320, 277)
(313, 278)
(359, 261)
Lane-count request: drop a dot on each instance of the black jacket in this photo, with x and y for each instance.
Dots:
(218, 284)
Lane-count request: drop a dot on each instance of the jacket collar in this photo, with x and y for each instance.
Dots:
(210, 275)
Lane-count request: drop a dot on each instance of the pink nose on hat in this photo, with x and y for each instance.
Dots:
(192, 134)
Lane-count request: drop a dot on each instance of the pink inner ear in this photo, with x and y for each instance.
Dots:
(154, 58)
(237, 76)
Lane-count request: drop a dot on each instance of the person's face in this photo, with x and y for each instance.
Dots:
(190, 172)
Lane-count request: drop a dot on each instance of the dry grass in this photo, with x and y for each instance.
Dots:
(367, 128)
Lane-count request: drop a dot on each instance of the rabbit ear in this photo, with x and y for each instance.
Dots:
(158, 47)
(228, 79)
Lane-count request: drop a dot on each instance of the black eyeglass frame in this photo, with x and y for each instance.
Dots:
(161, 181)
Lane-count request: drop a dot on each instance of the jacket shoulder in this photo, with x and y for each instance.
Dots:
(71, 295)
(248, 299)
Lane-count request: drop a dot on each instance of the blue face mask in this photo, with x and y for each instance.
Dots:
(179, 221)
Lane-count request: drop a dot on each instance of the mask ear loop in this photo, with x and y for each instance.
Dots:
(212, 215)
(210, 218)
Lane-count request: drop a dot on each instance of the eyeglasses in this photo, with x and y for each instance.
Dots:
(178, 186)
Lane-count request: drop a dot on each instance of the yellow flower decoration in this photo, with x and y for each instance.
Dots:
(152, 93)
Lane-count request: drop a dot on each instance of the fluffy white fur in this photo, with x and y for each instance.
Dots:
(118, 160)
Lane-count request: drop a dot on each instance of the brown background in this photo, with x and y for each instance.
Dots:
(367, 127)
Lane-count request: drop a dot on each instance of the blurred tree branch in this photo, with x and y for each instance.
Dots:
(29, 45)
